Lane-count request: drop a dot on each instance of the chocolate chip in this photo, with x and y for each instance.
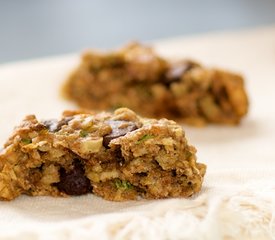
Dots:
(118, 156)
(54, 125)
(74, 182)
(176, 71)
(51, 124)
(174, 173)
(119, 129)
(142, 174)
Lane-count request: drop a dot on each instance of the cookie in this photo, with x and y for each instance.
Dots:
(118, 156)
(137, 77)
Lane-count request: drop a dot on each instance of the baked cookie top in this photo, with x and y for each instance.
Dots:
(136, 77)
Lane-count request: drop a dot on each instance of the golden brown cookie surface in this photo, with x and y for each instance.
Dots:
(136, 77)
(118, 156)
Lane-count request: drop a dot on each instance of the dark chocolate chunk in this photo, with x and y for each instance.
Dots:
(118, 156)
(142, 174)
(176, 71)
(174, 173)
(119, 129)
(53, 125)
(74, 182)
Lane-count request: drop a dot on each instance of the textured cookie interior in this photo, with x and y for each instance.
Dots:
(117, 156)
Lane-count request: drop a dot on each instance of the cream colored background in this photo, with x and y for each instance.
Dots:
(238, 197)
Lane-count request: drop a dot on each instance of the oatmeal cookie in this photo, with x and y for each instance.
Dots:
(118, 156)
(136, 77)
